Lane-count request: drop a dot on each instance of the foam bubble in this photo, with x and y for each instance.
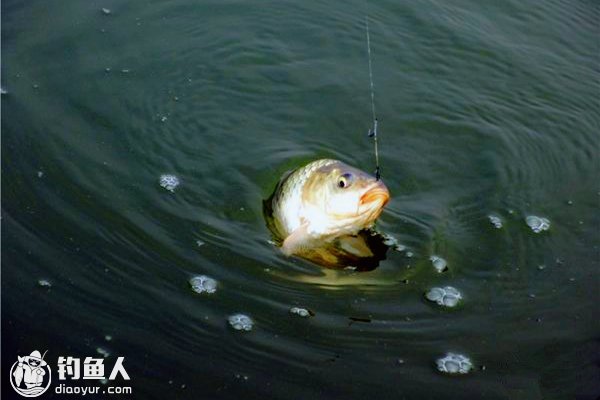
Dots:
(241, 377)
(439, 263)
(392, 242)
(240, 322)
(453, 363)
(44, 283)
(400, 247)
(103, 352)
(447, 296)
(496, 221)
(537, 224)
(203, 284)
(389, 240)
(169, 182)
(302, 312)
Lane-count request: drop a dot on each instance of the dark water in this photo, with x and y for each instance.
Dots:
(485, 107)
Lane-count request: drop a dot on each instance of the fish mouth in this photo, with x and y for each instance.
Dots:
(379, 193)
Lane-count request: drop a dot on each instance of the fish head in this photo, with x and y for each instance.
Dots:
(344, 197)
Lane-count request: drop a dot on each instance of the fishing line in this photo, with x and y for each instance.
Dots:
(372, 131)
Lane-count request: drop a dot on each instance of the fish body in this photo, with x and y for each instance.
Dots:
(324, 200)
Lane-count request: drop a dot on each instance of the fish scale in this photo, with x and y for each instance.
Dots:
(291, 192)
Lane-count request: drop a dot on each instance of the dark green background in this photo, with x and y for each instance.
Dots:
(485, 107)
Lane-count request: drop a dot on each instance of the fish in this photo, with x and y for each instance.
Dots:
(321, 202)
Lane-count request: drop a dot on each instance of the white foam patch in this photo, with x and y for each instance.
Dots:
(537, 224)
(439, 263)
(169, 182)
(454, 364)
(447, 296)
(241, 322)
(203, 284)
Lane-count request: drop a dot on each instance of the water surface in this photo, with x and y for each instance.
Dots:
(484, 109)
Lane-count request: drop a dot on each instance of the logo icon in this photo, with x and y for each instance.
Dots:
(30, 375)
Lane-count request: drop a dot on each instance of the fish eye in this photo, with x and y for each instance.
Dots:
(345, 180)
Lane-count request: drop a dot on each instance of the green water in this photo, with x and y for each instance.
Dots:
(484, 108)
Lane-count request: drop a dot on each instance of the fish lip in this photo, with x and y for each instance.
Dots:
(378, 192)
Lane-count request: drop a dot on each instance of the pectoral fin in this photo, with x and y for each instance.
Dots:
(355, 245)
(296, 240)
